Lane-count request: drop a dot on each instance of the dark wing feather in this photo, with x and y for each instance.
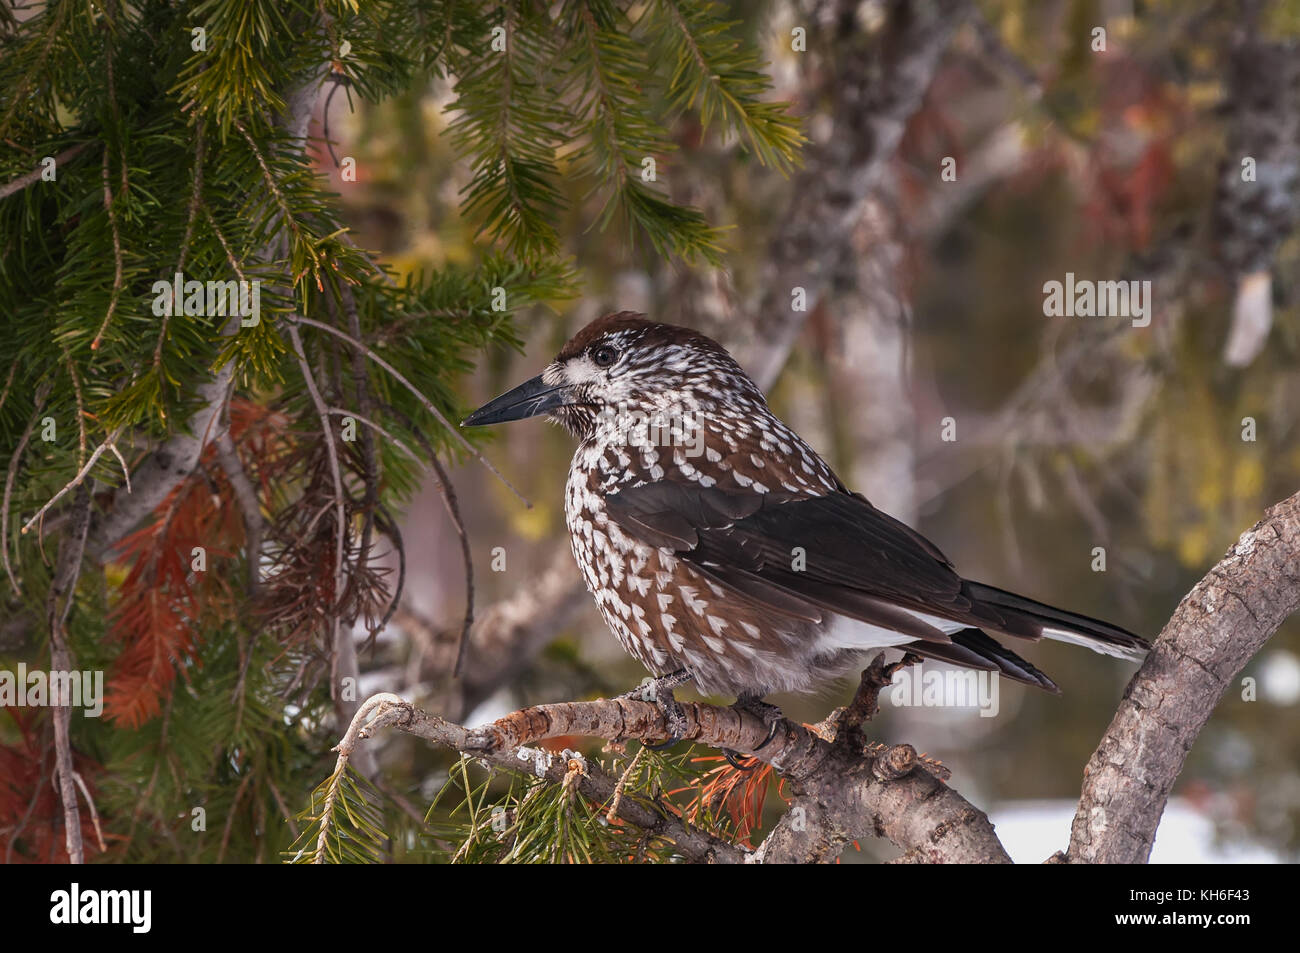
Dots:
(860, 562)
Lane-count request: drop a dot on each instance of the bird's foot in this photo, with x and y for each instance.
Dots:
(734, 758)
(771, 716)
(659, 692)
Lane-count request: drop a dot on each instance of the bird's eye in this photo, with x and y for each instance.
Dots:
(605, 355)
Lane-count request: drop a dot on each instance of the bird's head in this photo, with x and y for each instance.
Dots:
(619, 363)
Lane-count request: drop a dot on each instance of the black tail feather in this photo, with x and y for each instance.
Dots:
(1062, 626)
(971, 648)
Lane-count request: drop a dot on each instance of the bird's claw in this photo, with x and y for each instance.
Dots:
(659, 692)
(771, 716)
(674, 720)
(733, 759)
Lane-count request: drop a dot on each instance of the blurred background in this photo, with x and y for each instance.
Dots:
(1092, 464)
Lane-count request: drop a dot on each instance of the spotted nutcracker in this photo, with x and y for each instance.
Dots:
(720, 548)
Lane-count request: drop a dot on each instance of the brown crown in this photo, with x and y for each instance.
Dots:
(653, 333)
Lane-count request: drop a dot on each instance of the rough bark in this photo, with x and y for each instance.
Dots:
(845, 788)
(1213, 633)
(875, 83)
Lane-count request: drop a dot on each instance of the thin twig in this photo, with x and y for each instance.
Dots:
(250, 507)
(76, 481)
(331, 451)
(453, 509)
(344, 412)
(424, 401)
(343, 654)
(4, 395)
(42, 392)
(30, 178)
(81, 407)
(117, 256)
(373, 465)
(62, 591)
(231, 813)
(449, 500)
(274, 186)
(389, 528)
(225, 246)
(612, 814)
(196, 195)
(94, 814)
(284, 808)
(126, 472)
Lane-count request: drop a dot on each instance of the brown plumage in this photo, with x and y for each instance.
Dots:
(715, 541)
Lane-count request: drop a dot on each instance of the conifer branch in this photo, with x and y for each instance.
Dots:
(334, 786)
(419, 395)
(176, 458)
(30, 178)
(76, 481)
(873, 791)
(387, 709)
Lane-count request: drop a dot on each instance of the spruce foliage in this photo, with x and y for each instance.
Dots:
(176, 133)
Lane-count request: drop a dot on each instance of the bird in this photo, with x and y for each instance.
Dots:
(721, 549)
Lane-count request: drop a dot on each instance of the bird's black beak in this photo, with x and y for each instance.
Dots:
(529, 399)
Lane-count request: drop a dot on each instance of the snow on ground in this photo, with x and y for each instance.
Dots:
(1033, 830)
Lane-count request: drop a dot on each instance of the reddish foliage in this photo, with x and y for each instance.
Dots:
(162, 602)
(31, 815)
(740, 794)
(302, 595)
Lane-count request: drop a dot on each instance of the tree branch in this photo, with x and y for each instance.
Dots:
(389, 710)
(1213, 633)
(30, 178)
(249, 506)
(62, 589)
(846, 791)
